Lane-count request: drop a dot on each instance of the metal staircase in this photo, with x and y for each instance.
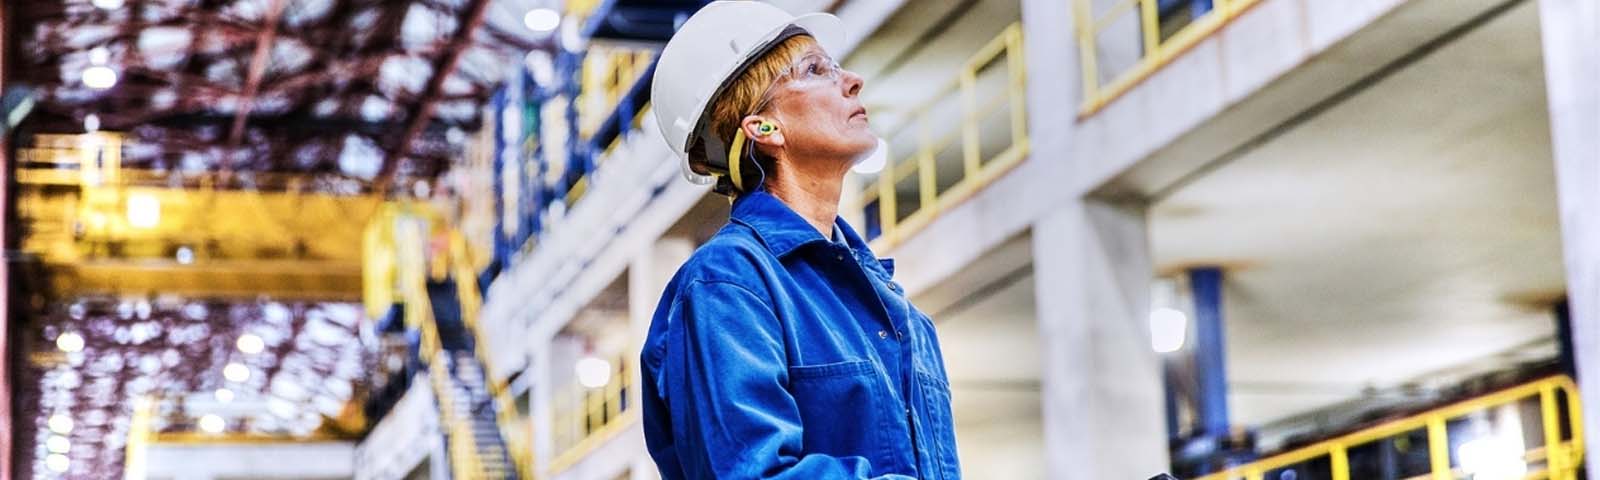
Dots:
(438, 298)
(473, 439)
(466, 406)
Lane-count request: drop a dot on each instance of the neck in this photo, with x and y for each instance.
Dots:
(811, 189)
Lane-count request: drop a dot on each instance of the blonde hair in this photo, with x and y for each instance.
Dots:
(739, 98)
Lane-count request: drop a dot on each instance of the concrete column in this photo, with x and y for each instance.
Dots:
(541, 399)
(439, 459)
(644, 469)
(648, 275)
(1103, 415)
(1571, 30)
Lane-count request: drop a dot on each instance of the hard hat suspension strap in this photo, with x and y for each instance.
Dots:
(734, 152)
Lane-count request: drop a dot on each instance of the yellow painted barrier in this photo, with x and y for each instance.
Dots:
(1155, 53)
(585, 418)
(897, 223)
(1560, 456)
(400, 260)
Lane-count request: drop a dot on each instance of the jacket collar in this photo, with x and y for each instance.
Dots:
(780, 228)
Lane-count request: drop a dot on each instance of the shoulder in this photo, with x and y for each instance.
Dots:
(734, 255)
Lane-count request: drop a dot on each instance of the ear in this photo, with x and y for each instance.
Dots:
(752, 130)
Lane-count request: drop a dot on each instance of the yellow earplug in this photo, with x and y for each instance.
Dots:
(766, 128)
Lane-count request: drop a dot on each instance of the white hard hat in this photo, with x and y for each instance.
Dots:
(708, 52)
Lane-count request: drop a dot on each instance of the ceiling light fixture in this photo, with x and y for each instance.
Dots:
(70, 342)
(1168, 327)
(99, 77)
(211, 423)
(60, 423)
(593, 372)
(542, 20)
(236, 372)
(144, 210)
(250, 344)
(57, 462)
(58, 444)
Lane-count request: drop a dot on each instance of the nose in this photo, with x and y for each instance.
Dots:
(852, 83)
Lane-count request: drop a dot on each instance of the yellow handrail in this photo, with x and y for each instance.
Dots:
(608, 73)
(976, 171)
(1156, 52)
(520, 448)
(140, 428)
(1561, 457)
(398, 269)
(585, 418)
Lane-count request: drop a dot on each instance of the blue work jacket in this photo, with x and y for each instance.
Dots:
(776, 353)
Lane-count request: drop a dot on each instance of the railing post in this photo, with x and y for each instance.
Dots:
(1150, 26)
(888, 215)
(1439, 449)
(1574, 420)
(1555, 453)
(969, 122)
(1018, 66)
(1339, 460)
(1088, 38)
(927, 173)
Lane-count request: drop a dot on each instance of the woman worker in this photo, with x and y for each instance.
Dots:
(781, 349)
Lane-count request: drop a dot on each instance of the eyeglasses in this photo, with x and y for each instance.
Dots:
(813, 67)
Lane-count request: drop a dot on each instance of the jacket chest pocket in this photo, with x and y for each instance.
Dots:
(940, 424)
(836, 401)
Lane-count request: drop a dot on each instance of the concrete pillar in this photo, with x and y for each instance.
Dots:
(644, 469)
(540, 396)
(1571, 30)
(439, 459)
(648, 275)
(1103, 398)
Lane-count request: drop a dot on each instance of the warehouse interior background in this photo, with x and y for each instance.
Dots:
(423, 239)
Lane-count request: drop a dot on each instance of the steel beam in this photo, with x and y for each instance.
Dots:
(422, 111)
(258, 69)
(1210, 352)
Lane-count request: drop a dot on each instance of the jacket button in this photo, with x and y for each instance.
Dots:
(883, 334)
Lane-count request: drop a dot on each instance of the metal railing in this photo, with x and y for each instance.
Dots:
(608, 73)
(397, 268)
(461, 445)
(584, 418)
(513, 429)
(140, 429)
(1156, 49)
(889, 221)
(1558, 452)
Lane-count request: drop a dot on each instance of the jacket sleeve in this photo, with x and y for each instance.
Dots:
(725, 374)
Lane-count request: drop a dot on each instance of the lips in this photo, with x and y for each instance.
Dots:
(862, 112)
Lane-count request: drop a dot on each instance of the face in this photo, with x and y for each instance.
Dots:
(817, 107)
